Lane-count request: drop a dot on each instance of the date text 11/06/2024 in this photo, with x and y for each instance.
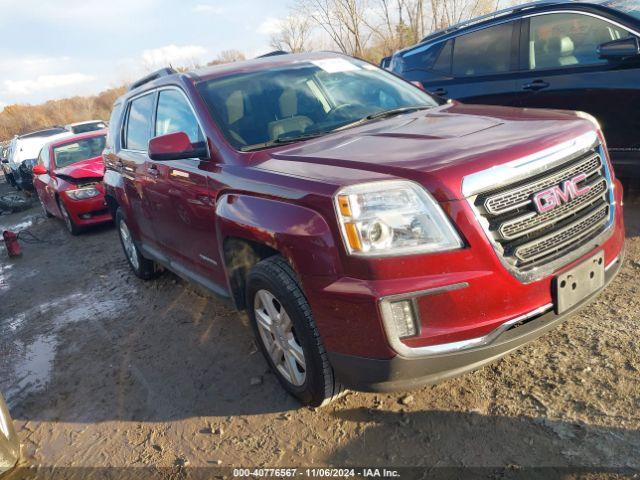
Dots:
(316, 472)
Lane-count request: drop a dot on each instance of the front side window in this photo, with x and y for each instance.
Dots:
(304, 98)
(78, 151)
(563, 40)
(485, 52)
(138, 130)
(175, 115)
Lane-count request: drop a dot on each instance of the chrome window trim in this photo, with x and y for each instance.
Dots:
(523, 168)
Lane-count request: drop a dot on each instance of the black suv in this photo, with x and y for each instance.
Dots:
(563, 54)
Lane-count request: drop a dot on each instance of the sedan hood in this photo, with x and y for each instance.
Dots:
(436, 148)
(90, 168)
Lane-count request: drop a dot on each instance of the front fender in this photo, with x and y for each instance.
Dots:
(115, 188)
(300, 234)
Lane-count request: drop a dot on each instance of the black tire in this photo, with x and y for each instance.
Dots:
(14, 202)
(143, 268)
(276, 276)
(72, 228)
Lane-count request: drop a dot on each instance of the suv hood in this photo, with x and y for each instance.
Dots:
(90, 168)
(436, 148)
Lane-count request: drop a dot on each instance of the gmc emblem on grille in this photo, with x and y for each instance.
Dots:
(553, 197)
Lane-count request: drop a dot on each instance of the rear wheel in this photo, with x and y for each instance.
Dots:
(287, 334)
(68, 221)
(143, 268)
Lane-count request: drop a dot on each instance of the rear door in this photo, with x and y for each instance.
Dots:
(475, 67)
(133, 161)
(562, 70)
(182, 203)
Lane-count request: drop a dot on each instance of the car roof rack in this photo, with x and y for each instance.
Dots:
(163, 72)
(491, 16)
(275, 53)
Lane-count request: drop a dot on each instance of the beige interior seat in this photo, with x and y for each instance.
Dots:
(289, 120)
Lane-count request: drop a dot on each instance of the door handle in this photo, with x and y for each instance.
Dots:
(536, 85)
(153, 171)
(441, 92)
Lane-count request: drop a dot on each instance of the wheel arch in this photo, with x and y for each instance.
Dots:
(252, 228)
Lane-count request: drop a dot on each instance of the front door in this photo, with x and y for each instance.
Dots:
(562, 70)
(183, 204)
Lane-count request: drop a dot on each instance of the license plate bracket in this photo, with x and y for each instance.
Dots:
(573, 286)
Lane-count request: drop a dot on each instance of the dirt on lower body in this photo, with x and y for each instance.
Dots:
(101, 369)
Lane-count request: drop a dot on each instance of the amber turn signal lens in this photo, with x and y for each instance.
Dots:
(353, 236)
(345, 208)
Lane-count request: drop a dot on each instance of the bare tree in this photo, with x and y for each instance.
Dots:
(227, 56)
(294, 34)
(342, 20)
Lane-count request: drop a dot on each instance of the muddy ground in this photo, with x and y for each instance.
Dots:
(102, 369)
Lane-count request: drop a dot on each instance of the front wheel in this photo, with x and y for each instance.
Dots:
(287, 334)
(143, 268)
(68, 221)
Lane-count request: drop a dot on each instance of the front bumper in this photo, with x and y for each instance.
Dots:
(90, 211)
(402, 373)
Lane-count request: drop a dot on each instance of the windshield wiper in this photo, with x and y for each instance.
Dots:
(281, 141)
(383, 114)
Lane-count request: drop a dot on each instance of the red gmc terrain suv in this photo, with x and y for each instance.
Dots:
(378, 238)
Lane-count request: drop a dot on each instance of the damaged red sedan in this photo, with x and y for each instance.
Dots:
(68, 179)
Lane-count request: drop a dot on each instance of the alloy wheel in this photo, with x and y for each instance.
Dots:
(278, 335)
(129, 246)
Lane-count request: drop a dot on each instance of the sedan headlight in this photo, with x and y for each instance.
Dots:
(83, 193)
(393, 218)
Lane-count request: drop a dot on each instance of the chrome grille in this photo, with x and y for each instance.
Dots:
(519, 197)
(526, 239)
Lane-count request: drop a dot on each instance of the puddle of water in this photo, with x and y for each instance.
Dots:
(32, 362)
(33, 370)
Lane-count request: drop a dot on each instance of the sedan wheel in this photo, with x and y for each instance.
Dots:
(68, 221)
(278, 334)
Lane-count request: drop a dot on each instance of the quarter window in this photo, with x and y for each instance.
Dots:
(139, 123)
(485, 52)
(175, 115)
(564, 40)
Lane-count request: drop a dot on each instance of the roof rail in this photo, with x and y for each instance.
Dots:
(163, 72)
(492, 15)
(273, 54)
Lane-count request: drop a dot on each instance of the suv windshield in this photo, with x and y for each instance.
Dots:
(305, 99)
(630, 7)
(78, 151)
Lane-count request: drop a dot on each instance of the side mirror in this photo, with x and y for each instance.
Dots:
(39, 170)
(620, 49)
(175, 146)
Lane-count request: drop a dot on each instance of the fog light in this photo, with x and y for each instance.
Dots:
(402, 316)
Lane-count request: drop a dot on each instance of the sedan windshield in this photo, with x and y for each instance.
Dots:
(306, 99)
(78, 151)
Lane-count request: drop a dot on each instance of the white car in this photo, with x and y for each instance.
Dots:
(87, 126)
(9, 444)
(24, 150)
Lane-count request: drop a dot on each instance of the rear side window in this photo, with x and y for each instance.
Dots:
(138, 130)
(565, 40)
(114, 125)
(485, 52)
(175, 115)
(423, 60)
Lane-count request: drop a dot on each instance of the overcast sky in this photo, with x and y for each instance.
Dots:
(55, 49)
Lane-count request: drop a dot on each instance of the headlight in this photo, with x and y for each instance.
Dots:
(393, 218)
(83, 193)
